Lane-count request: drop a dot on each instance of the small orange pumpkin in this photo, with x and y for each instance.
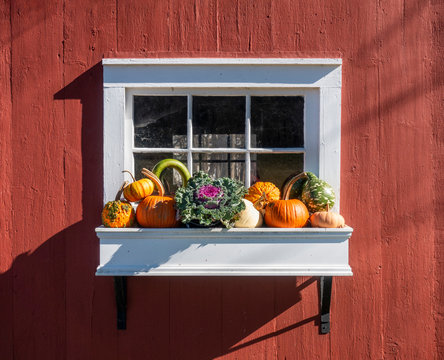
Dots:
(138, 189)
(286, 214)
(157, 211)
(117, 213)
(261, 193)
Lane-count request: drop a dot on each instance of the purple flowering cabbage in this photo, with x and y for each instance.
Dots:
(210, 196)
(208, 201)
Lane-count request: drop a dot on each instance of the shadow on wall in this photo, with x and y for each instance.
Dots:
(50, 290)
(60, 307)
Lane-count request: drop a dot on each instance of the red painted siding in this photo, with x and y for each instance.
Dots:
(51, 304)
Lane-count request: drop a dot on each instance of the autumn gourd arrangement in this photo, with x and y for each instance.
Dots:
(154, 209)
(204, 202)
(311, 205)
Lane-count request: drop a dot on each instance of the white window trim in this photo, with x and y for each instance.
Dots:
(318, 80)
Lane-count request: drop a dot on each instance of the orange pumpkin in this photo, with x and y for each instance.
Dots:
(139, 189)
(286, 214)
(156, 211)
(261, 193)
(117, 213)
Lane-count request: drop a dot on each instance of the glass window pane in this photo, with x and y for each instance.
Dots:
(275, 168)
(170, 178)
(160, 121)
(219, 141)
(277, 121)
(215, 117)
(221, 165)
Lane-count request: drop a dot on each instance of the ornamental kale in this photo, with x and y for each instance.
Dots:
(209, 201)
(210, 196)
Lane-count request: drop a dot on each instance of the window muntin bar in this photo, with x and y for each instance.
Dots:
(189, 131)
(248, 140)
(228, 150)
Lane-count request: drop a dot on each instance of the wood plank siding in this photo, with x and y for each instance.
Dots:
(53, 307)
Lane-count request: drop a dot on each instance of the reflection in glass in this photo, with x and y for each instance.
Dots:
(219, 141)
(160, 121)
(275, 168)
(170, 178)
(277, 121)
(214, 117)
(221, 165)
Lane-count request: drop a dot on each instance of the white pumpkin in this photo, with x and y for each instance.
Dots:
(250, 217)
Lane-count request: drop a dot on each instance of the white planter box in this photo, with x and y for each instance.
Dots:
(218, 251)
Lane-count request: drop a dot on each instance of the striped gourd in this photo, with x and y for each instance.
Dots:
(315, 193)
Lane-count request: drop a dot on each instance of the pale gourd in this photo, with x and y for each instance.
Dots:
(250, 217)
(327, 219)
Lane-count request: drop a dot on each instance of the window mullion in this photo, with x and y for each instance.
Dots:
(247, 139)
(190, 132)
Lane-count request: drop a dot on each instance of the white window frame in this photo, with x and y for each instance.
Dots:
(317, 80)
(232, 252)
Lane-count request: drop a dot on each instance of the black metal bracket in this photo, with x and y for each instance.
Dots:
(325, 285)
(120, 290)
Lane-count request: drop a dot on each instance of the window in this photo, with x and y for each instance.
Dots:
(249, 119)
(245, 118)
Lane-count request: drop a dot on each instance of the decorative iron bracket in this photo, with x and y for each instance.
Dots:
(120, 290)
(325, 285)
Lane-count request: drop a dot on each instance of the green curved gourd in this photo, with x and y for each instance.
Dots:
(316, 194)
(175, 164)
(293, 185)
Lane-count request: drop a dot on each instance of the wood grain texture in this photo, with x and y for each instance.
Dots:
(360, 126)
(6, 206)
(89, 31)
(435, 83)
(408, 214)
(51, 304)
(37, 148)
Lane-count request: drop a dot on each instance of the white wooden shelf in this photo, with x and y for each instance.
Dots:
(220, 252)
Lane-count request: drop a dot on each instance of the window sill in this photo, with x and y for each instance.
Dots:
(222, 252)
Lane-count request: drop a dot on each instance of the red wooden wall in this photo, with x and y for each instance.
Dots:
(51, 304)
